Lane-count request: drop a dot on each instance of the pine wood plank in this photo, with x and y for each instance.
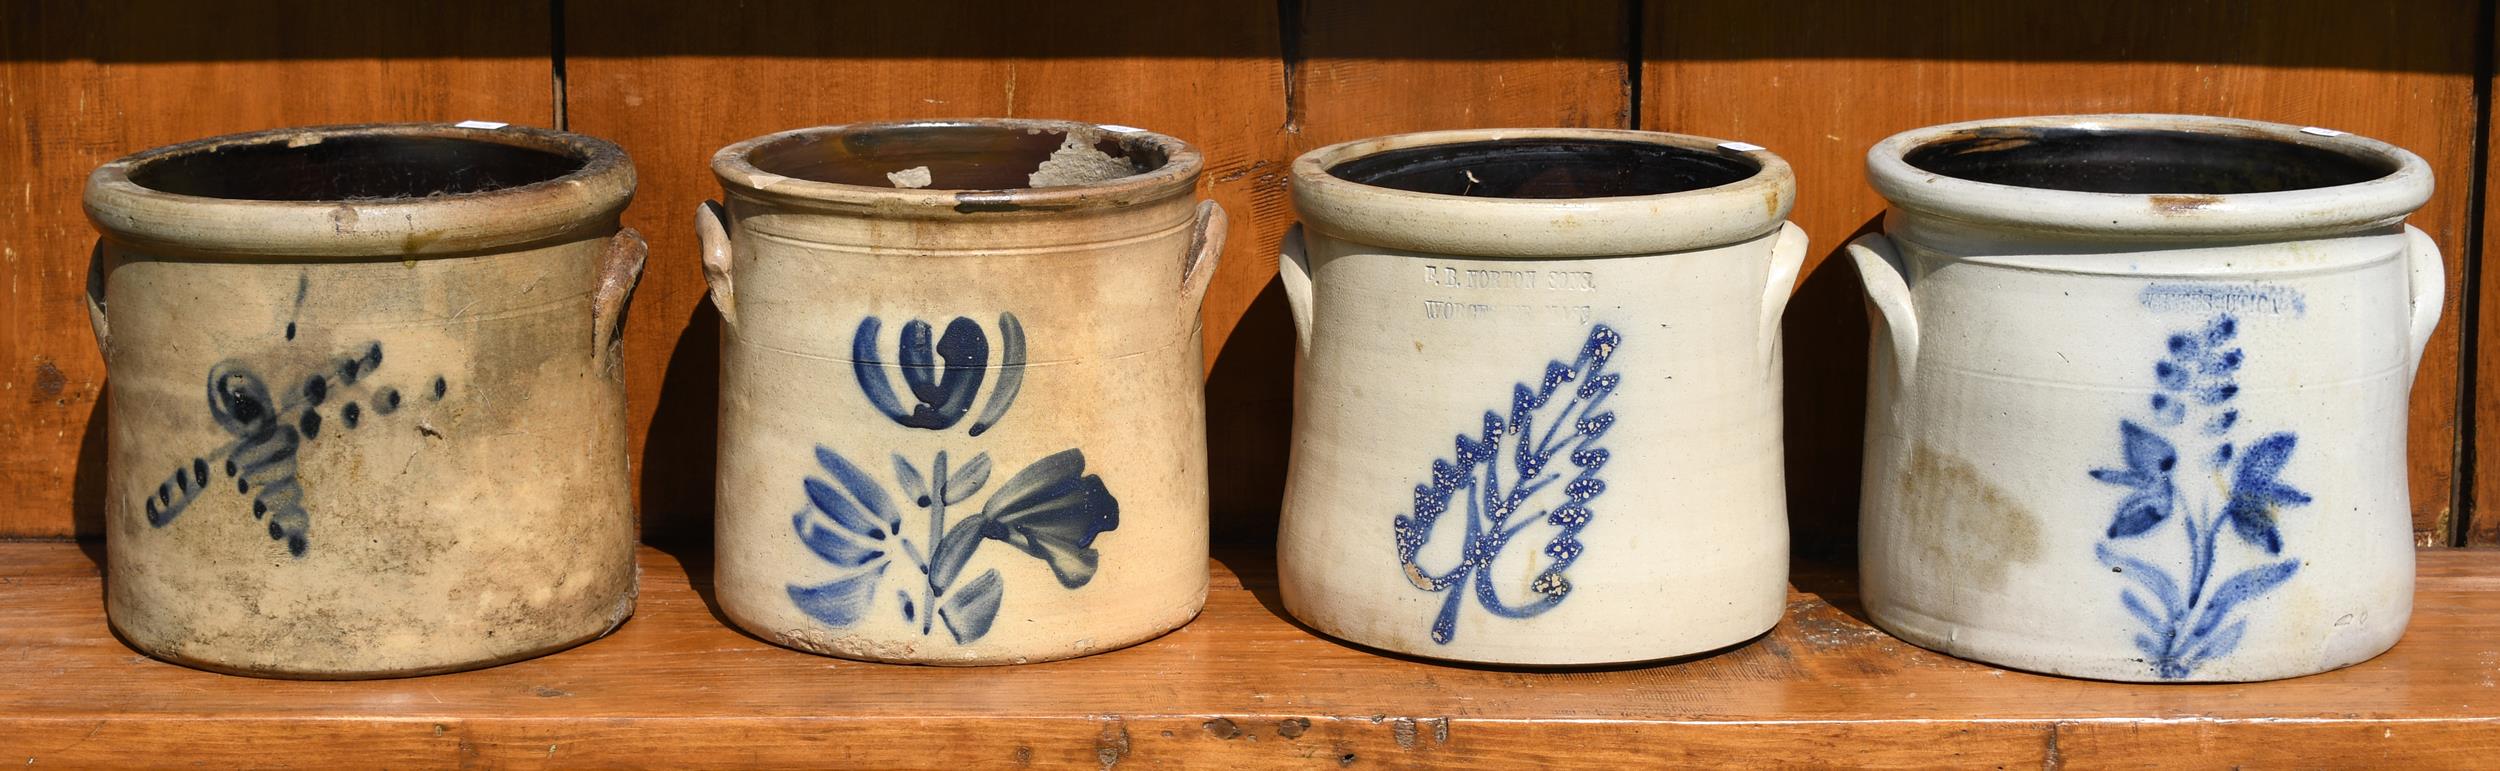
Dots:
(1240, 687)
(1209, 73)
(84, 83)
(1820, 88)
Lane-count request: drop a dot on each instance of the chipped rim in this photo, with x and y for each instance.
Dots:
(1542, 227)
(581, 204)
(1178, 176)
(2374, 203)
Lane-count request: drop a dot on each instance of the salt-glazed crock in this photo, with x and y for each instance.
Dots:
(962, 418)
(2138, 392)
(1538, 416)
(367, 414)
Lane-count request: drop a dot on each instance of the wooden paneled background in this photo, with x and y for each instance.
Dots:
(1253, 83)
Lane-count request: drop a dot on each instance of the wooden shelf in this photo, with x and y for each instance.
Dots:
(1240, 686)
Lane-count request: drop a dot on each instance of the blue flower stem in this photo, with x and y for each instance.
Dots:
(937, 536)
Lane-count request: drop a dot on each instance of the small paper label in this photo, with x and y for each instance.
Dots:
(1742, 147)
(1120, 129)
(480, 124)
(2324, 132)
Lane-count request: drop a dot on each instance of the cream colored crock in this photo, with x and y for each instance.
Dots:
(2138, 394)
(1538, 416)
(366, 410)
(961, 411)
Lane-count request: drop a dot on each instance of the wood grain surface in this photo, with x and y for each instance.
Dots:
(1821, 93)
(1240, 687)
(84, 83)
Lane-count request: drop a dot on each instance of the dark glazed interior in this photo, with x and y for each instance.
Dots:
(353, 168)
(2142, 161)
(958, 157)
(1547, 168)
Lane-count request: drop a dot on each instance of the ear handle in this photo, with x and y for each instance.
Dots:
(711, 225)
(619, 272)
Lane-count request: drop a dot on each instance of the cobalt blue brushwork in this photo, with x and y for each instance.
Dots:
(2187, 625)
(1051, 511)
(1561, 416)
(942, 393)
(269, 427)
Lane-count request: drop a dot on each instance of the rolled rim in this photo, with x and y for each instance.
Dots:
(2287, 193)
(1543, 227)
(751, 169)
(471, 216)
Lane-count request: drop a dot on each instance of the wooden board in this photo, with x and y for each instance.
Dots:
(2482, 510)
(1240, 687)
(737, 71)
(83, 83)
(1820, 88)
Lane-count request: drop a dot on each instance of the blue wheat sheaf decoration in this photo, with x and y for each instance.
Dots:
(2187, 625)
(1051, 511)
(1561, 416)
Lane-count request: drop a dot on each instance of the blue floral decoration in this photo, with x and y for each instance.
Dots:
(1561, 417)
(1051, 511)
(942, 393)
(2188, 626)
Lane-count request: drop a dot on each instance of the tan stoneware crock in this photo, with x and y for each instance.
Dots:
(366, 410)
(961, 410)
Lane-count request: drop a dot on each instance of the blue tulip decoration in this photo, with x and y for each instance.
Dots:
(1051, 511)
(942, 392)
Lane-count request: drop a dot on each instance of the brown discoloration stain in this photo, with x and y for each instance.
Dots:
(1293, 727)
(2173, 205)
(1957, 517)
(48, 380)
(1111, 744)
(1223, 728)
(418, 240)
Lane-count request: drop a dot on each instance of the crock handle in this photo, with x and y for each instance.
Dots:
(1293, 269)
(1206, 248)
(2430, 287)
(1886, 279)
(711, 224)
(95, 301)
(1788, 255)
(619, 272)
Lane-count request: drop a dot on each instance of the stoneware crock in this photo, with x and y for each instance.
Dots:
(2138, 392)
(962, 418)
(1538, 416)
(367, 412)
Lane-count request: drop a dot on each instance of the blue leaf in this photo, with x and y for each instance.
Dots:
(2222, 364)
(961, 485)
(839, 509)
(2220, 644)
(831, 544)
(2154, 580)
(2150, 458)
(1445, 623)
(2183, 345)
(954, 550)
(910, 609)
(840, 602)
(869, 493)
(2217, 394)
(2256, 495)
(1053, 511)
(2248, 585)
(914, 487)
(969, 610)
(2135, 605)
